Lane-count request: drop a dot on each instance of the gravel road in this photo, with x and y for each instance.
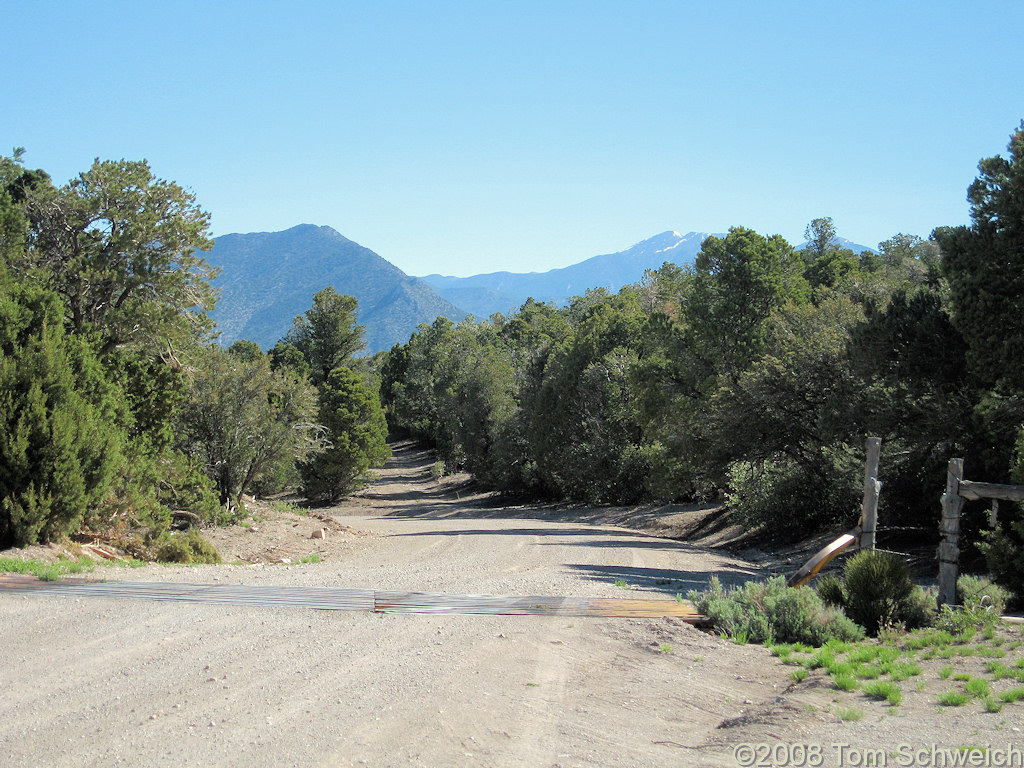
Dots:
(133, 682)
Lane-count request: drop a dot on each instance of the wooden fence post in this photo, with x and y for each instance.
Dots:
(872, 488)
(949, 549)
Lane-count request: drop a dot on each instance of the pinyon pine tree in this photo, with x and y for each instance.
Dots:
(351, 413)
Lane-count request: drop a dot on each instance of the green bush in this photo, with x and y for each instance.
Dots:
(1004, 549)
(877, 591)
(61, 441)
(769, 611)
(189, 547)
(830, 589)
(977, 591)
(161, 483)
(963, 621)
(788, 497)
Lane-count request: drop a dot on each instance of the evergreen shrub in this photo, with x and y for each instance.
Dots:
(830, 590)
(876, 591)
(61, 445)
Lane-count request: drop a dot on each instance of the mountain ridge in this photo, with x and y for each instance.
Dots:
(269, 278)
(503, 291)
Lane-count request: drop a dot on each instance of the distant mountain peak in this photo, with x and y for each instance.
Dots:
(268, 278)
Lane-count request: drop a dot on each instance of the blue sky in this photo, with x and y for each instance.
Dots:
(469, 137)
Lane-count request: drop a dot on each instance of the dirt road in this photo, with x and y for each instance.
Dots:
(123, 682)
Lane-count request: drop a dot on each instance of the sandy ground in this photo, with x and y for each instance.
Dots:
(134, 682)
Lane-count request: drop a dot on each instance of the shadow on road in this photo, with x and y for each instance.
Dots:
(405, 489)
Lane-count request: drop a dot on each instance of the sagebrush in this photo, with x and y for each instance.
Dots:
(770, 612)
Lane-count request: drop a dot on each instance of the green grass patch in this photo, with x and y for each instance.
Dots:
(824, 657)
(990, 652)
(978, 687)
(888, 654)
(1014, 673)
(997, 669)
(883, 689)
(992, 705)
(952, 698)
(841, 668)
(799, 674)
(899, 671)
(47, 571)
(286, 506)
(839, 646)
(849, 713)
(1012, 695)
(946, 671)
(845, 681)
(869, 672)
(781, 650)
(863, 654)
(929, 638)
